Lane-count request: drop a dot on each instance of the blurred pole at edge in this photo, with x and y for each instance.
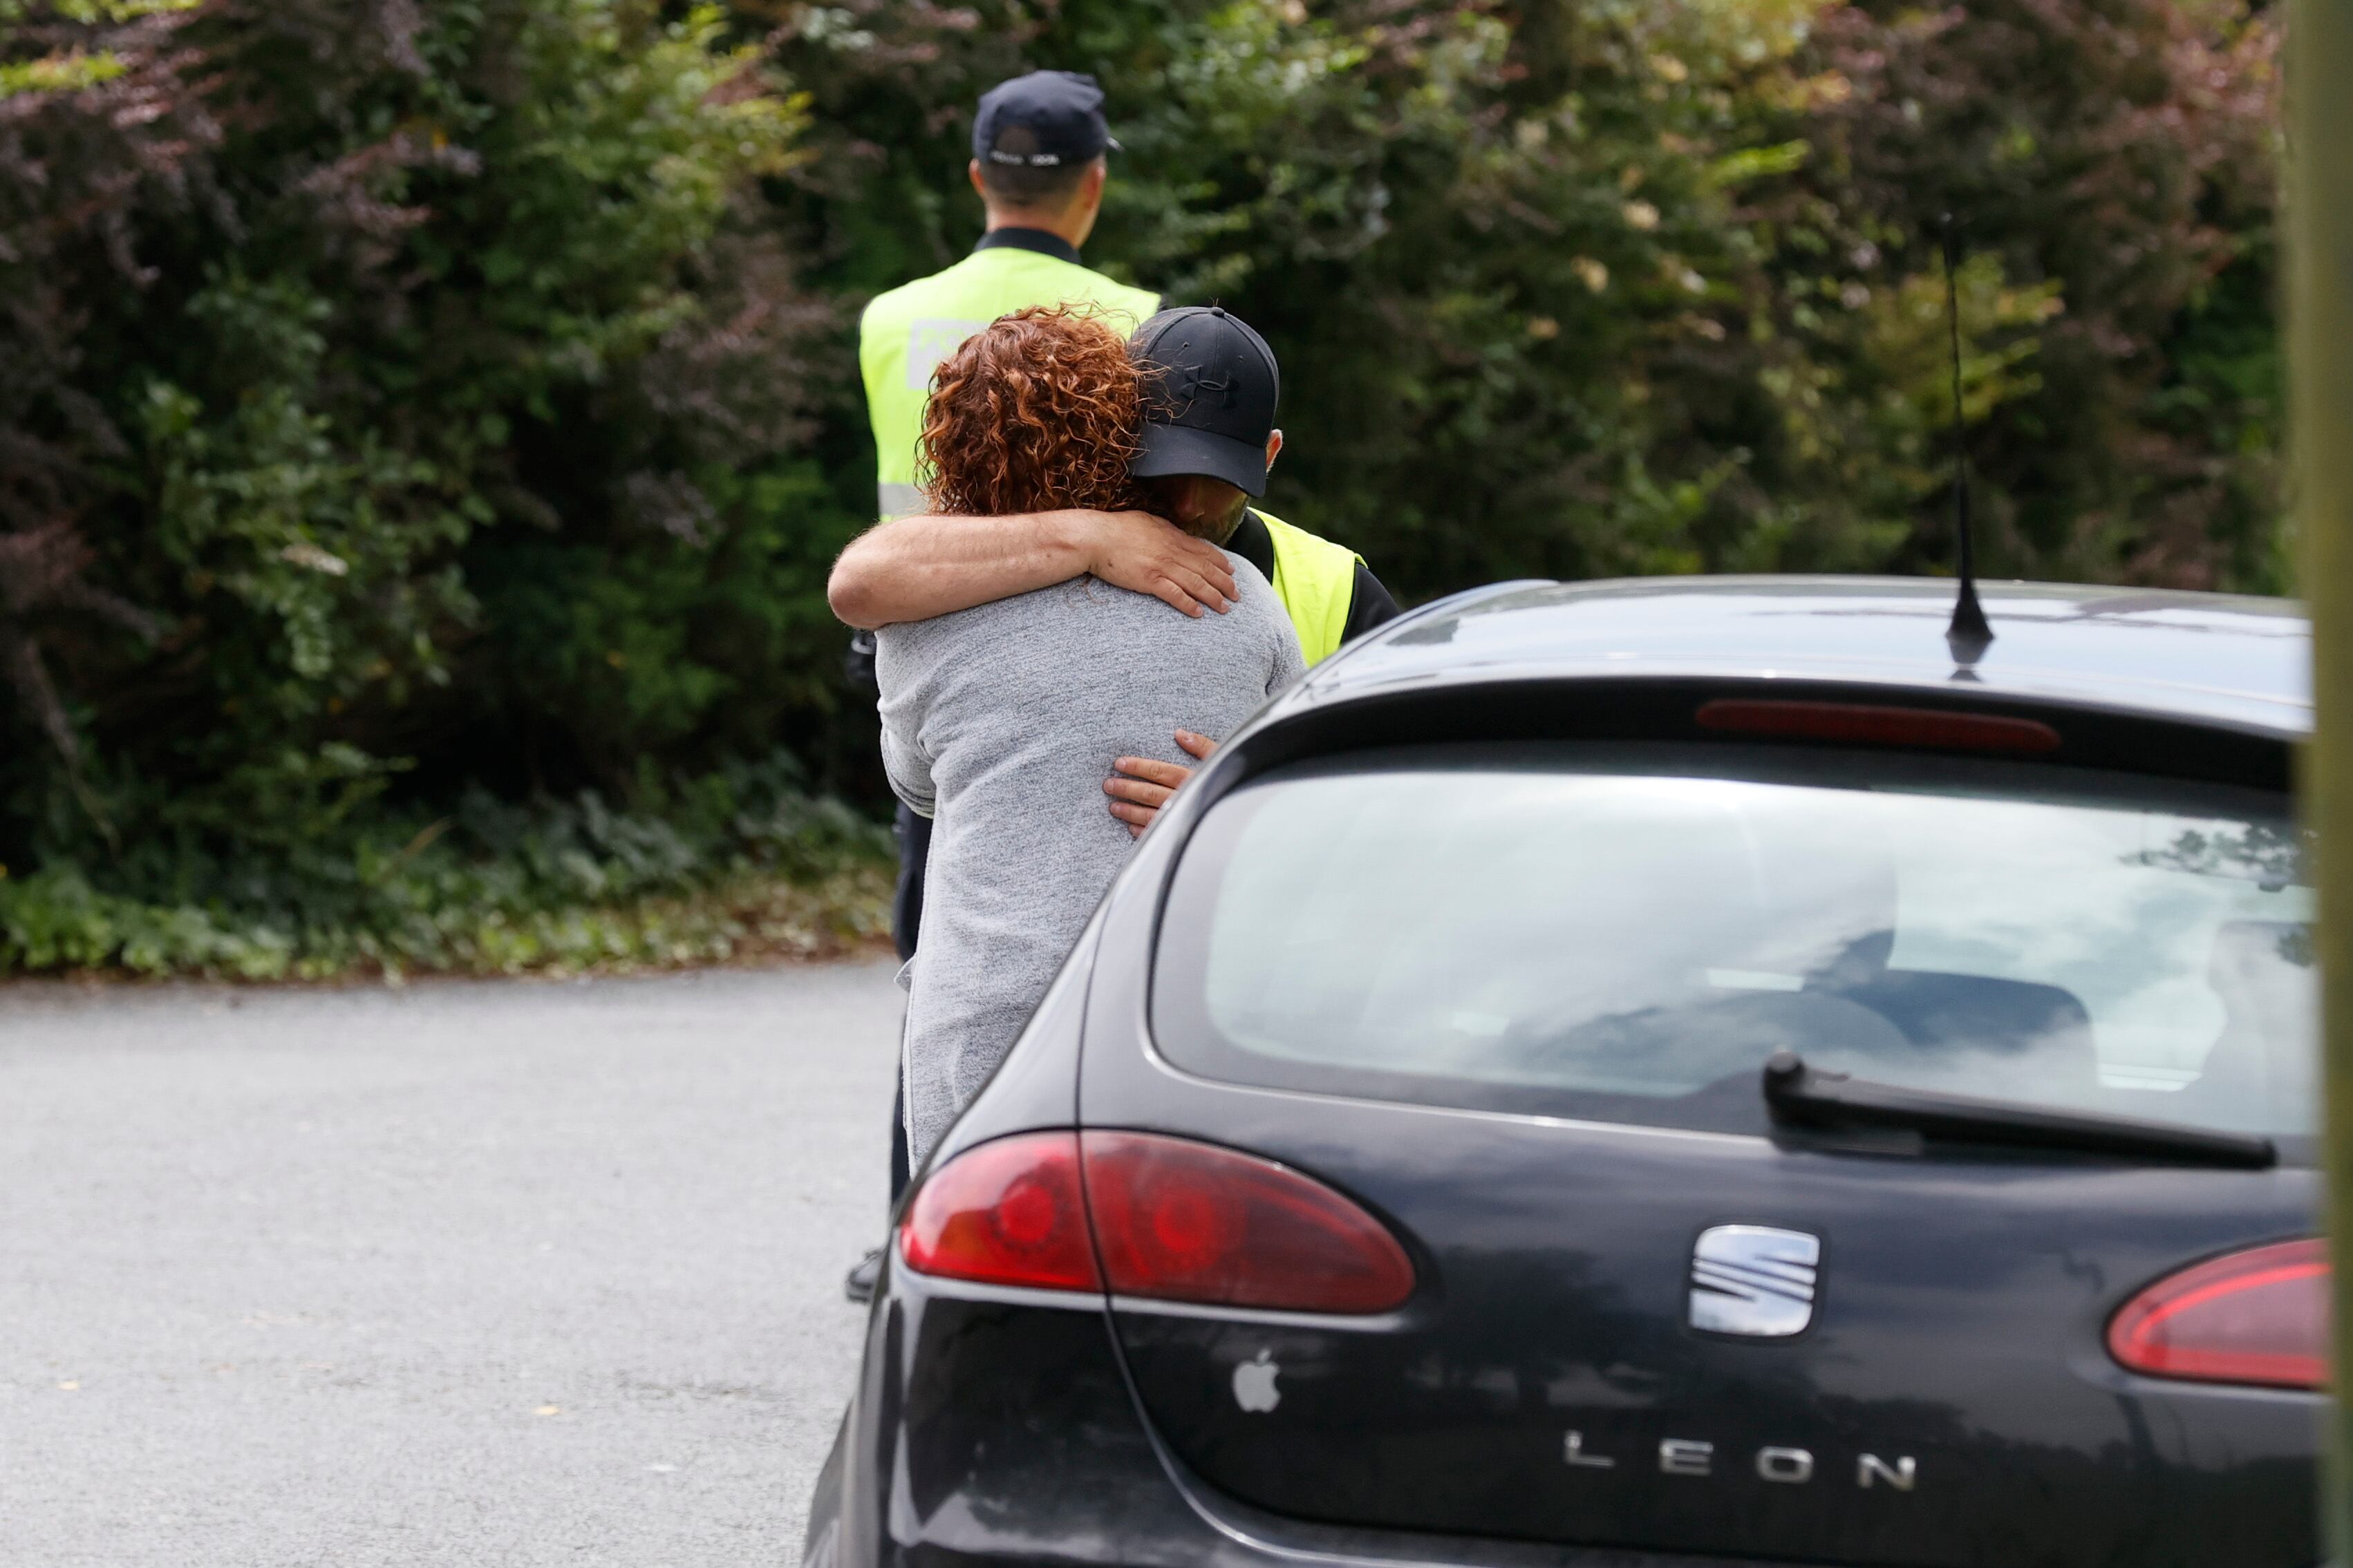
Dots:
(2320, 396)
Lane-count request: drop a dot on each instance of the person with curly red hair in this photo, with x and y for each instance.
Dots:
(1001, 721)
(1041, 409)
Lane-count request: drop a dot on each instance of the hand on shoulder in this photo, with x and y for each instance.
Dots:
(1145, 554)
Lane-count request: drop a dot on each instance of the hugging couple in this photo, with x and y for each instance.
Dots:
(1006, 723)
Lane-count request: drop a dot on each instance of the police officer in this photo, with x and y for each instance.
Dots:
(1038, 161)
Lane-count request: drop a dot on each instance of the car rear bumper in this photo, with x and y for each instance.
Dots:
(996, 1428)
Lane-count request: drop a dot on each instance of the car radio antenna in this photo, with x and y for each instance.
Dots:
(1970, 635)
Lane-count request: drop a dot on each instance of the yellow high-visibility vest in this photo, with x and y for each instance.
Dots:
(906, 334)
(1316, 581)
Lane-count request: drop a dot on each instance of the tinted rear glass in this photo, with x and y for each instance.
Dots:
(1626, 932)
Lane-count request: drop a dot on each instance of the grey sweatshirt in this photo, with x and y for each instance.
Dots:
(1001, 722)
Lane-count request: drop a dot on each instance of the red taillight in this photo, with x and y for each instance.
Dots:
(1008, 1213)
(1171, 1220)
(1178, 1221)
(1869, 724)
(2259, 1316)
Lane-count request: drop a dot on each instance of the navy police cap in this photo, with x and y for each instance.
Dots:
(1043, 120)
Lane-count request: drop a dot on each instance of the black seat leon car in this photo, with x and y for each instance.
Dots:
(1672, 1073)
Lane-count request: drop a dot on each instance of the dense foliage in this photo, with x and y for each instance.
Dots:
(425, 424)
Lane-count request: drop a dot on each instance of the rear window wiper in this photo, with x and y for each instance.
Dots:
(1795, 1093)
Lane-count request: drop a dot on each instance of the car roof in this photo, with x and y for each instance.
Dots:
(2236, 661)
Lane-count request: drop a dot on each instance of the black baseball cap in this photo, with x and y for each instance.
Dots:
(1043, 120)
(1209, 398)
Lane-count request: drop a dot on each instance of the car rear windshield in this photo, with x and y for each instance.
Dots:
(1626, 932)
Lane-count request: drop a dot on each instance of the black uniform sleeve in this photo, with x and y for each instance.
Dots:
(1370, 606)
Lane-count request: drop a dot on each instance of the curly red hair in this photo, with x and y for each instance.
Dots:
(1038, 410)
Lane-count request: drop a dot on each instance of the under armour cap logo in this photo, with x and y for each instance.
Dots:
(1196, 383)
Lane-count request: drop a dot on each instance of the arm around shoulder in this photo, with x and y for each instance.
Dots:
(853, 588)
(914, 568)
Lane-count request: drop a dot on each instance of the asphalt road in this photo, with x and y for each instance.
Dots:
(488, 1273)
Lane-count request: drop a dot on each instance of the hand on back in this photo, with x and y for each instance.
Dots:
(1140, 786)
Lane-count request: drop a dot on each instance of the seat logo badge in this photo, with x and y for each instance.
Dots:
(1755, 1280)
(1254, 1388)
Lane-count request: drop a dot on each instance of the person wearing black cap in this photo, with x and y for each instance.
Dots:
(1208, 439)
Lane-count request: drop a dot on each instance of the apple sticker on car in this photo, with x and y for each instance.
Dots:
(1254, 1388)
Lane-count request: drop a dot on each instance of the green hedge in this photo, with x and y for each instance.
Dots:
(741, 863)
(449, 416)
